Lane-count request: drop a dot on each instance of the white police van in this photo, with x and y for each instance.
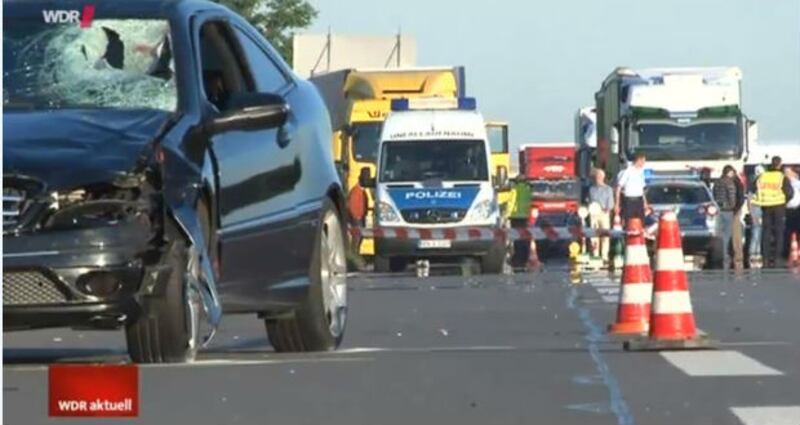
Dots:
(434, 173)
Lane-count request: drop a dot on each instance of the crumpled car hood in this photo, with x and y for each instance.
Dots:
(66, 149)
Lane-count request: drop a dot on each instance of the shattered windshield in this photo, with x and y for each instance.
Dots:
(115, 63)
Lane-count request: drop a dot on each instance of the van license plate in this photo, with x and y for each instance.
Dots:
(433, 244)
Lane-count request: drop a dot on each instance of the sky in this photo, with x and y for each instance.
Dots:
(534, 63)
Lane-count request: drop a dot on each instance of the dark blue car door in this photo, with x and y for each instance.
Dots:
(257, 172)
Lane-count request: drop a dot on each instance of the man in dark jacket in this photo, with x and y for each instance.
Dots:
(738, 224)
(773, 190)
(725, 191)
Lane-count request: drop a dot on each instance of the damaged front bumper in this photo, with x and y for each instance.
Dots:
(91, 277)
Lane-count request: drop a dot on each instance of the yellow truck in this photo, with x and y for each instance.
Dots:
(497, 133)
(358, 102)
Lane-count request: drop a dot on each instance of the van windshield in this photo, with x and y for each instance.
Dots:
(448, 160)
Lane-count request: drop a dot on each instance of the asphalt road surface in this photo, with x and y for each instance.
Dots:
(521, 349)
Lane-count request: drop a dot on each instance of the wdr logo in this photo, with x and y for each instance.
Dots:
(59, 16)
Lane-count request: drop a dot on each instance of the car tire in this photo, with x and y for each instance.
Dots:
(318, 324)
(492, 262)
(715, 257)
(167, 330)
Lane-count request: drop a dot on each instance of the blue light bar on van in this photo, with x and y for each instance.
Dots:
(431, 103)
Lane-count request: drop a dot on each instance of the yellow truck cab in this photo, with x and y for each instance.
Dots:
(359, 100)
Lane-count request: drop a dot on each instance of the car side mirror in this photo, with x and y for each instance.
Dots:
(250, 111)
(501, 179)
(364, 179)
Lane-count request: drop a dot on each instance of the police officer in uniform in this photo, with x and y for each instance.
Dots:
(773, 190)
(629, 193)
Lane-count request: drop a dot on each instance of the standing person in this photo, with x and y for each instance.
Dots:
(629, 200)
(725, 197)
(756, 220)
(793, 205)
(738, 227)
(772, 192)
(519, 207)
(601, 194)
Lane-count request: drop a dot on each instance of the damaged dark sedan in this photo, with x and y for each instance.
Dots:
(161, 165)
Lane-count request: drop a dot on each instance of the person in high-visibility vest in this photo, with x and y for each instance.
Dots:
(773, 190)
(519, 207)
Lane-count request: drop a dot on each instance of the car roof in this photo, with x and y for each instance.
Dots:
(682, 183)
(108, 8)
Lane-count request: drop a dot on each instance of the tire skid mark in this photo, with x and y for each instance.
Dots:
(595, 336)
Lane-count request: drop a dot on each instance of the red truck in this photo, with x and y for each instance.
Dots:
(555, 189)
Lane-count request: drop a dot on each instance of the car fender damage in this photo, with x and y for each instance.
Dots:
(204, 276)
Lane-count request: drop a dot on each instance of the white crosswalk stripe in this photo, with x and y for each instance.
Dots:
(768, 415)
(718, 363)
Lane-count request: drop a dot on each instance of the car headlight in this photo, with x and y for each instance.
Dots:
(482, 210)
(83, 208)
(387, 213)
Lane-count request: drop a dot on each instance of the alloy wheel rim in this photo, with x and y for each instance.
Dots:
(333, 271)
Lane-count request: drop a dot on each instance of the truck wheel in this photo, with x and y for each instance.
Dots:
(492, 262)
(715, 258)
(319, 323)
(167, 331)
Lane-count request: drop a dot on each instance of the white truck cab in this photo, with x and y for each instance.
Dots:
(434, 173)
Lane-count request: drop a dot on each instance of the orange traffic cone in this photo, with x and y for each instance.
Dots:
(633, 312)
(533, 256)
(672, 323)
(794, 255)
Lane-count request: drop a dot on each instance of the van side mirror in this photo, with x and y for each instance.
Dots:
(501, 178)
(364, 179)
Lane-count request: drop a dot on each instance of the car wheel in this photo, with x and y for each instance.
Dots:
(715, 257)
(492, 262)
(319, 323)
(168, 329)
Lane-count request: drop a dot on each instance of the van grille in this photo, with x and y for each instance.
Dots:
(434, 215)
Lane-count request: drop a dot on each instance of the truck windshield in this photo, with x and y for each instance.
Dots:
(366, 137)
(701, 140)
(544, 189)
(498, 138)
(115, 63)
(448, 160)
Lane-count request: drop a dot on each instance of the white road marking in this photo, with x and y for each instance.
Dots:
(718, 363)
(774, 415)
(356, 350)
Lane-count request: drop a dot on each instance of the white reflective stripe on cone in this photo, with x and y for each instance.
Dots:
(672, 302)
(669, 259)
(636, 255)
(637, 293)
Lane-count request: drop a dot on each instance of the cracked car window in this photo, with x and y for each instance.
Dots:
(116, 63)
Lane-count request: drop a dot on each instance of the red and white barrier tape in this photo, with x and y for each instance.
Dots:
(484, 233)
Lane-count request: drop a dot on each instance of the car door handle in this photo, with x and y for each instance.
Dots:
(285, 135)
